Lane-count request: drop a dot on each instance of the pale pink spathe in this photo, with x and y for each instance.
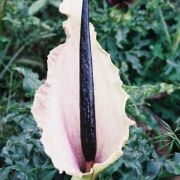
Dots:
(56, 103)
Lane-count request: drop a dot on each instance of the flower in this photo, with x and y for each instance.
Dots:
(56, 105)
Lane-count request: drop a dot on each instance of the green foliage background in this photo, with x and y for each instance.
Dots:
(144, 43)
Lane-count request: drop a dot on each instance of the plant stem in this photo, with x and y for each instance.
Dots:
(2, 14)
(11, 61)
(164, 25)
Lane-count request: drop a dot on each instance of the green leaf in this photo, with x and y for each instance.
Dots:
(2, 13)
(31, 80)
(173, 168)
(177, 158)
(153, 168)
(4, 173)
(37, 6)
(134, 60)
(3, 38)
(54, 3)
(137, 153)
(139, 93)
(137, 105)
(44, 173)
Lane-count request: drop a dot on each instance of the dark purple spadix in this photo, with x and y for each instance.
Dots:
(87, 100)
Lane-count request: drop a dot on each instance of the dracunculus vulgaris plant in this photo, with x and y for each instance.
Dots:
(81, 106)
